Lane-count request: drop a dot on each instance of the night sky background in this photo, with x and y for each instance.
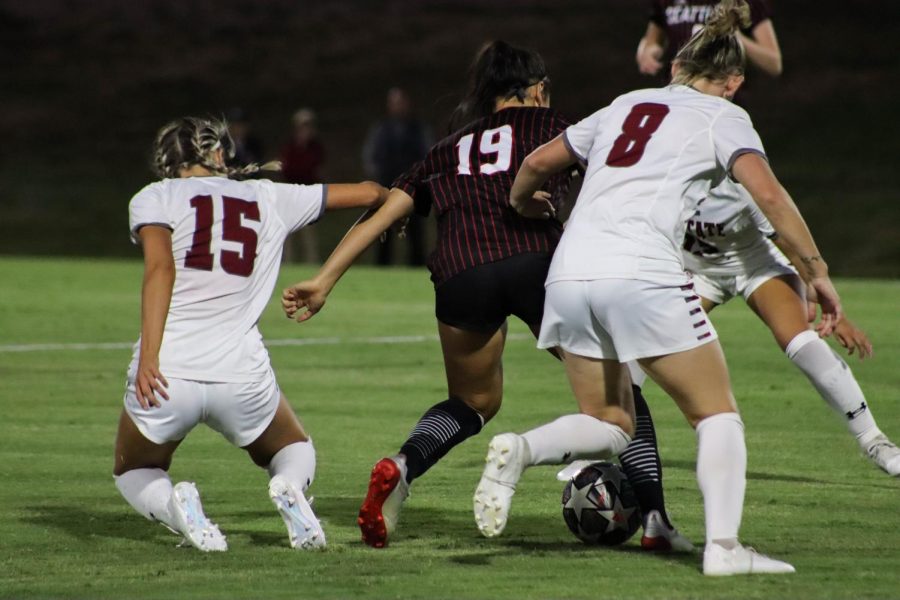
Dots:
(84, 85)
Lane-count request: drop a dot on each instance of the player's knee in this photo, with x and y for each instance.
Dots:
(617, 416)
(485, 404)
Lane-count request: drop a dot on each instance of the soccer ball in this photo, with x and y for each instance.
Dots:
(599, 505)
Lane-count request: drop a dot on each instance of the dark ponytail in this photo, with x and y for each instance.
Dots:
(499, 71)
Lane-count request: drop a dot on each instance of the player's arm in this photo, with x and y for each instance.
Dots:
(311, 295)
(536, 169)
(156, 294)
(753, 172)
(367, 194)
(763, 49)
(650, 49)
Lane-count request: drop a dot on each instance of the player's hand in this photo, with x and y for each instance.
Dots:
(150, 385)
(537, 207)
(853, 338)
(830, 302)
(812, 304)
(648, 60)
(303, 300)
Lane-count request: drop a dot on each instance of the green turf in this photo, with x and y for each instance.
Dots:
(66, 533)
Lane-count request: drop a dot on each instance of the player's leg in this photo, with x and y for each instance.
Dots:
(145, 443)
(141, 471)
(780, 303)
(641, 463)
(697, 379)
(257, 417)
(475, 382)
(601, 387)
(601, 429)
(472, 328)
(474, 368)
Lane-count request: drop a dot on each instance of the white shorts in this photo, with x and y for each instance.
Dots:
(239, 411)
(623, 319)
(722, 288)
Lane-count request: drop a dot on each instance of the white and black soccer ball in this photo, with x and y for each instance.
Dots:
(599, 505)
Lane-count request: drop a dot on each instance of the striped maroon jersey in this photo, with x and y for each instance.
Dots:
(466, 179)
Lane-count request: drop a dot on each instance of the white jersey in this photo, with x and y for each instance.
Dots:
(728, 234)
(652, 156)
(227, 239)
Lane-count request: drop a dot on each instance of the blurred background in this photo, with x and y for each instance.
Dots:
(86, 84)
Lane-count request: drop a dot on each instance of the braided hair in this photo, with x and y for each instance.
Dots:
(190, 141)
(715, 52)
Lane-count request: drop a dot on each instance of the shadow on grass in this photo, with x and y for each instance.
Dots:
(82, 522)
(690, 465)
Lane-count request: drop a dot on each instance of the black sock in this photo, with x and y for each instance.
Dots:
(442, 427)
(640, 461)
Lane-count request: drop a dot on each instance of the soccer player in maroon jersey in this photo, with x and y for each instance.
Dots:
(489, 262)
(673, 22)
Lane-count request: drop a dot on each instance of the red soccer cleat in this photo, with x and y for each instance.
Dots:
(380, 511)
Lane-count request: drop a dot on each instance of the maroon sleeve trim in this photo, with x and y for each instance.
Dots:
(740, 152)
(322, 207)
(565, 138)
(139, 226)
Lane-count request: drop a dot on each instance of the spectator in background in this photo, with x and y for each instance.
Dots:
(302, 158)
(248, 148)
(393, 145)
(673, 22)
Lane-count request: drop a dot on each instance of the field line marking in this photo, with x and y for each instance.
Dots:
(322, 341)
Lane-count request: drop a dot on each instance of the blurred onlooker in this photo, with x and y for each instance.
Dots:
(302, 159)
(248, 147)
(393, 145)
(673, 22)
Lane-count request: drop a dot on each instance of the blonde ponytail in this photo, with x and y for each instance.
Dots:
(715, 52)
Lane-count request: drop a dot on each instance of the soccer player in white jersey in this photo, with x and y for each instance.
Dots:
(729, 248)
(617, 289)
(212, 247)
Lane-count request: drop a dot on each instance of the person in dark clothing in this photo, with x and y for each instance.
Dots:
(302, 159)
(392, 146)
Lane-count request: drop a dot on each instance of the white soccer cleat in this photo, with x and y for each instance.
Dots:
(572, 469)
(884, 453)
(719, 561)
(189, 520)
(659, 537)
(303, 527)
(507, 457)
(380, 511)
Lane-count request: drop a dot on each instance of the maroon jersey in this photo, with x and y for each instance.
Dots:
(680, 19)
(466, 179)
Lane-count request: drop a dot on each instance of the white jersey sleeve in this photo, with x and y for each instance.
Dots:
(733, 135)
(579, 138)
(299, 205)
(148, 208)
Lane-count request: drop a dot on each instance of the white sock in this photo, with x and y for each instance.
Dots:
(573, 437)
(148, 492)
(721, 474)
(295, 462)
(834, 381)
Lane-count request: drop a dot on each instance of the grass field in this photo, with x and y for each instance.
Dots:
(812, 499)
